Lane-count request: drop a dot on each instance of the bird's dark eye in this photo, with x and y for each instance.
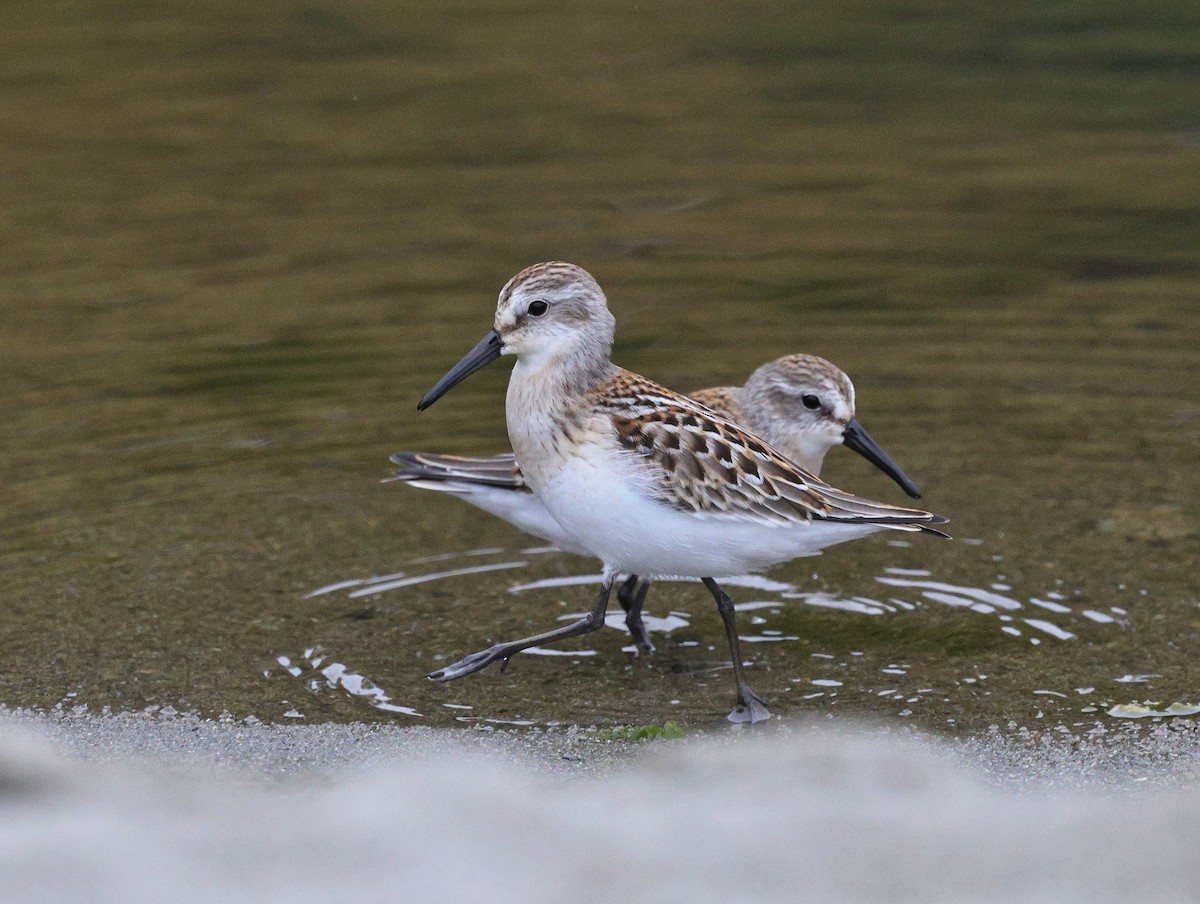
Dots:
(538, 308)
(810, 401)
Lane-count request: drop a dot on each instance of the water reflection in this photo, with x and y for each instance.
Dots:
(1147, 711)
(914, 588)
(1030, 616)
(369, 586)
(319, 672)
(970, 598)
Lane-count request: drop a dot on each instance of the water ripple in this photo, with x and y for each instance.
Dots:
(337, 676)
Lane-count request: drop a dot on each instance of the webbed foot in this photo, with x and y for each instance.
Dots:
(750, 707)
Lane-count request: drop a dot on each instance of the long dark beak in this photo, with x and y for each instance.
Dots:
(857, 438)
(487, 351)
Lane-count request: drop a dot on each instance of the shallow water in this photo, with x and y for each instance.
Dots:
(241, 242)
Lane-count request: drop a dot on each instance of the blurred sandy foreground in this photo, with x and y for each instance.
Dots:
(131, 809)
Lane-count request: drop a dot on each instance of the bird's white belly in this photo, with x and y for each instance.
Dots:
(605, 508)
(520, 508)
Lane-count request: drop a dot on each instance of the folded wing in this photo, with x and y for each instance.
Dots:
(703, 463)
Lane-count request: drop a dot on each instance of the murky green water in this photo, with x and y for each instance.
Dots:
(240, 242)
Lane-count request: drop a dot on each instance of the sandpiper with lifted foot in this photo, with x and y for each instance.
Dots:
(647, 480)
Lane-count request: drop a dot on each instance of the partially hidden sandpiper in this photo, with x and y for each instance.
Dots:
(802, 404)
(647, 480)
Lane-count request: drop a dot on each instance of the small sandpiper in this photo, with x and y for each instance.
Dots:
(802, 404)
(649, 481)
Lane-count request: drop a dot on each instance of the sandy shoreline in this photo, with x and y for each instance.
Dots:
(1110, 753)
(137, 808)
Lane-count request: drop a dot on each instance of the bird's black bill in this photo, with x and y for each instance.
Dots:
(857, 438)
(487, 351)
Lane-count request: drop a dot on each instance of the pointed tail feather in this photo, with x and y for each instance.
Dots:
(486, 470)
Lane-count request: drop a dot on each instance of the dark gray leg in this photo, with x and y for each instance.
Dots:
(750, 706)
(593, 621)
(632, 595)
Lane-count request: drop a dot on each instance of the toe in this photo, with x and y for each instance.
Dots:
(750, 708)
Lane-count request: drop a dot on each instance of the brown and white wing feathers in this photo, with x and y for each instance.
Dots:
(721, 399)
(704, 463)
